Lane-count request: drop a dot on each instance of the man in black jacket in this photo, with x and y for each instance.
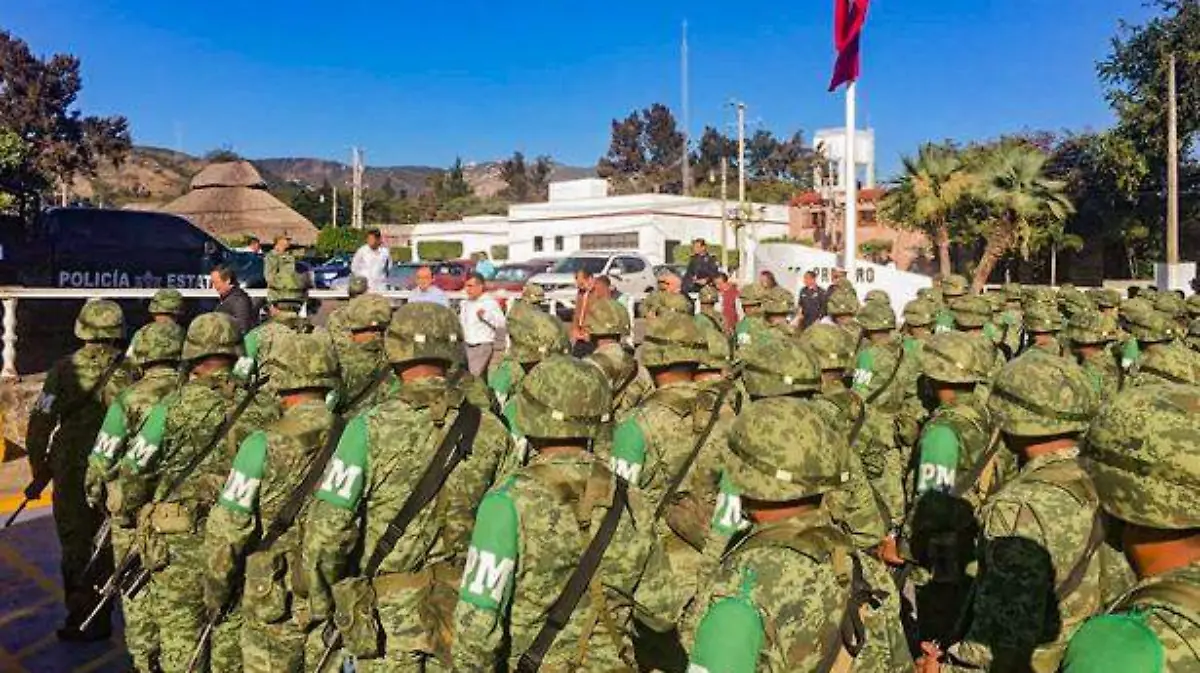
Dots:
(702, 267)
(811, 300)
(234, 300)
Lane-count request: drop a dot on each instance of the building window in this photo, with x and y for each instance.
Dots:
(866, 217)
(538, 245)
(818, 219)
(558, 243)
(620, 241)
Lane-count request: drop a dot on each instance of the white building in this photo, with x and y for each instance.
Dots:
(580, 215)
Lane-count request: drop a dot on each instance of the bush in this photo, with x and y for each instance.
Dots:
(334, 240)
(789, 239)
(876, 249)
(400, 253)
(439, 250)
(499, 253)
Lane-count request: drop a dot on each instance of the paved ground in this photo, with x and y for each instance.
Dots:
(31, 605)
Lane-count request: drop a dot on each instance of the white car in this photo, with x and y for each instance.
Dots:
(630, 271)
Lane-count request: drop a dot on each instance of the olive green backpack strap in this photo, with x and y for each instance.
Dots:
(1171, 594)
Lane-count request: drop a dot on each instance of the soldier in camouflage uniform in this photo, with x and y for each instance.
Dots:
(379, 460)
(842, 307)
(166, 306)
(1072, 300)
(952, 287)
(1193, 336)
(287, 291)
(336, 322)
(784, 589)
(362, 364)
(778, 306)
(608, 327)
(753, 323)
(534, 336)
(531, 531)
(918, 323)
(177, 434)
(156, 349)
(1144, 457)
(1091, 335)
(1043, 323)
(270, 465)
(972, 316)
(1042, 544)
(62, 430)
(1173, 307)
(877, 296)
(709, 297)
(1162, 358)
(1011, 320)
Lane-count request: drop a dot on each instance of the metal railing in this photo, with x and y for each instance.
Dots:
(10, 296)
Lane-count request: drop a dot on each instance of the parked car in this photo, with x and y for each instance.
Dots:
(402, 276)
(629, 270)
(513, 277)
(326, 272)
(451, 275)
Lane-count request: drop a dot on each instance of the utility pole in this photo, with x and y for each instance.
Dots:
(356, 202)
(724, 210)
(850, 178)
(333, 213)
(1172, 167)
(687, 167)
(748, 270)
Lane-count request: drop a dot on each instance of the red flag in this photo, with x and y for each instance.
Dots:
(848, 19)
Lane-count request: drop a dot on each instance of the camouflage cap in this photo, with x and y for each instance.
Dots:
(1148, 325)
(100, 320)
(287, 287)
(927, 294)
(672, 339)
(1144, 457)
(877, 316)
(778, 301)
(709, 295)
(776, 365)
(996, 301)
(1170, 364)
(533, 293)
(1039, 394)
(564, 398)
(1104, 297)
(212, 334)
(536, 336)
(299, 361)
(1091, 327)
(1040, 294)
(719, 353)
(607, 317)
(954, 357)
(1072, 300)
(167, 301)
(782, 449)
(368, 312)
(1012, 292)
(971, 311)
(358, 285)
(831, 345)
(842, 302)
(673, 302)
(877, 295)
(751, 295)
(1042, 318)
(955, 286)
(1171, 305)
(156, 342)
(424, 331)
(919, 313)
(1193, 306)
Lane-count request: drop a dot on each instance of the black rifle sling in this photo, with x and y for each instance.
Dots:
(980, 465)
(560, 611)
(297, 498)
(891, 377)
(1075, 577)
(678, 477)
(222, 430)
(455, 446)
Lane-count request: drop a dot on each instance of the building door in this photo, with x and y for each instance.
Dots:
(669, 251)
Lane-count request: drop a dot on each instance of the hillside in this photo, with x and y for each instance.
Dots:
(153, 176)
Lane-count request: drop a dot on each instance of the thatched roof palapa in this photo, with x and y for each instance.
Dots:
(231, 199)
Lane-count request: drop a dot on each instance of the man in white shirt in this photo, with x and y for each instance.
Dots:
(481, 319)
(372, 261)
(426, 291)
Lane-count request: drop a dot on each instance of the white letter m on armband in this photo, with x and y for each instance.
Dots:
(340, 478)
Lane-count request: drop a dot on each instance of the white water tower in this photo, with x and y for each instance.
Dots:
(831, 143)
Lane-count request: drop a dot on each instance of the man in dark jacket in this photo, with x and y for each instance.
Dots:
(812, 300)
(701, 268)
(234, 300)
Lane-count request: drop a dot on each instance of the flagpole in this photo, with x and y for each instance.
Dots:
(850, 180)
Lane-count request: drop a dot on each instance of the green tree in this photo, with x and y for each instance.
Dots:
(928, 195)
(625, 163)
(515, 175)
(454, 185)
(334, 240)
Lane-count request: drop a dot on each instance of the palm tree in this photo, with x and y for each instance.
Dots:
(933, 186)
(1024, 205)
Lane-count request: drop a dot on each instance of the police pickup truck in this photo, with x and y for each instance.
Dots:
(101, 248)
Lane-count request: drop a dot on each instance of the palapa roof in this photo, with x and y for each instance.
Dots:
(230, 199)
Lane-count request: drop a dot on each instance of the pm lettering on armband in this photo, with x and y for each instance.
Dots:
(936, 477)
(487, 575)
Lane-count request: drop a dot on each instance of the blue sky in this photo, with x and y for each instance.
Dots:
(421, 83)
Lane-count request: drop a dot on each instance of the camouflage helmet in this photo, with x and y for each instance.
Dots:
(995, 300)
(877, 295)
(607, 317)
(1193, 306)
(1039, 394)
(1104, 297)
(672, 339)
(919, 313)
(1171, 305)
(1173, 364)
(299, 361)
(156, 342)
(877, 316)
(971, 311)
(536, 336)
(1143, 456)
(358, 285)
(100, 320)
(954, 357)
(1150, 326)
(709, 295)
(368, 312)
(1091, 327)
(564, 398)
(778, 301)
(831, 345)
(673, 302)
(1193, 335)
(776, 366)
(168, 301)
(783, 449)
(718, 354)
(1039, 294)
(1041, 318)
(533, 293)
(424, 331)
(1074, 300)
(927, 293)
(751, 295)
(842, 302)
(1012, 292)
(212, 334)
(287, 287)
(955, 286)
